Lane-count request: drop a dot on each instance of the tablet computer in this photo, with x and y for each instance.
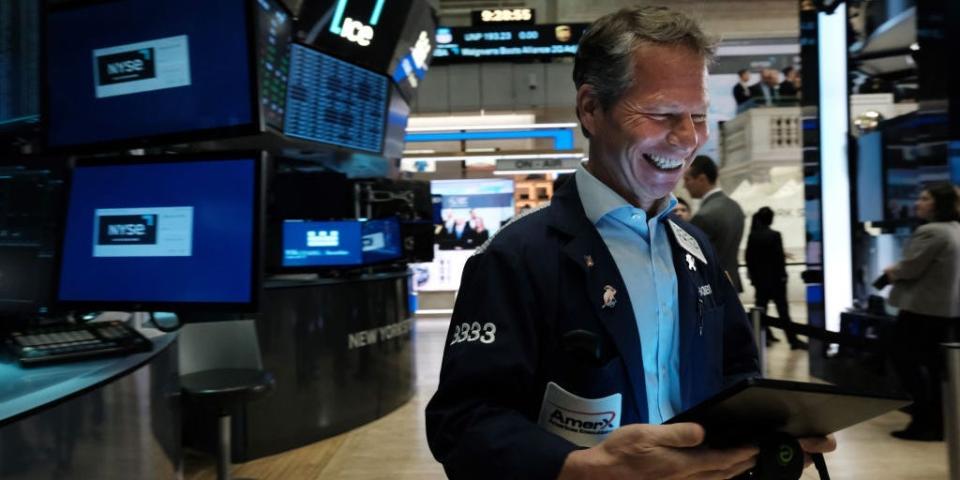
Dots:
(758, 406)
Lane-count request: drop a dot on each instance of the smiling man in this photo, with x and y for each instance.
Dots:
(582, 327)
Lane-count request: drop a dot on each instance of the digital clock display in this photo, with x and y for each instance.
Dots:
(501, 15)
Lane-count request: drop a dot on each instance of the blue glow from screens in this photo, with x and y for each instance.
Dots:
(562, 138)
(159, 68)
(953, 162)
(870, 177)
(180, 232)
(334, 102)
(340, 243)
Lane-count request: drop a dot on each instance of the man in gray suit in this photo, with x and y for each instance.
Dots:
(719, 216)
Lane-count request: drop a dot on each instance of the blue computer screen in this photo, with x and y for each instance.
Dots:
(334, 102)
(381, 240)
(120, 70)
(178, 232)
(313, 244)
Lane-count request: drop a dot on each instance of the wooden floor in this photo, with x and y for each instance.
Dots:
(395, 448)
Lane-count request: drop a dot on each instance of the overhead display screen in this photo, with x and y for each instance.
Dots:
(506, 42)
(331, 101)
(160, 68)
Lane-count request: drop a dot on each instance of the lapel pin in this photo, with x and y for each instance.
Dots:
(690, 263)
(609, 297)
(587, 259)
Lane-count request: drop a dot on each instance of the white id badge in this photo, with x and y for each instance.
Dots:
(583, 421)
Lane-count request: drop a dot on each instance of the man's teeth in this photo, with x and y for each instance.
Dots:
(665, 163)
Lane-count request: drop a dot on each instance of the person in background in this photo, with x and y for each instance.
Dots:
(767, 268)
(741, 91)
(767, 90)
(790, 86)
(477, 234)
(683, 210)
(719, 216)
(926, 289)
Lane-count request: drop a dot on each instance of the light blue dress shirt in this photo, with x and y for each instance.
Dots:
(641, 249)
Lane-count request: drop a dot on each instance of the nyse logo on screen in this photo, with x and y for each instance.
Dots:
(127, 230)
(127, 66)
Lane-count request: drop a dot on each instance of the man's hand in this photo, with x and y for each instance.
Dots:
(640, 452)
(816, 445)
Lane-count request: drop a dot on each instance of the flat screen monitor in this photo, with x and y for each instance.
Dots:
(915, 154)
(308, 245)
(164, 233)
(870, 177)
(31, 206)
(472, 210)
(19, 63)
(143, 72)
(334, 102)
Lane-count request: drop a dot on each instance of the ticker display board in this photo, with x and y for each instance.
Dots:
(506, 42)
(334, 102)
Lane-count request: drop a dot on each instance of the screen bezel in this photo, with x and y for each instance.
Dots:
(257, 123)
(261, 164)
(386, 104)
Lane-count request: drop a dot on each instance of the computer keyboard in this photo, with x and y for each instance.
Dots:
(63, 343)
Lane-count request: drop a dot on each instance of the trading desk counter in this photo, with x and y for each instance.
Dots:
(341, 351)
(116, 417)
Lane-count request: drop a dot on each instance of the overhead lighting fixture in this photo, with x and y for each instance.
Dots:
(532, 172)
(457, 128)
(914, 46)
(521, 156)
(417, 152)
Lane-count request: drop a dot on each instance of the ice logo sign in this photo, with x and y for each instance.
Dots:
(323, 238)
(352, 29)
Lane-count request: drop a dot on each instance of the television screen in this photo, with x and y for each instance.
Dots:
(19, 63)
(331, 101)
(381, 240)
(31, 201)
(340, 243)
(473, 210)
(135, 69)
(163, 232)
(315, 244)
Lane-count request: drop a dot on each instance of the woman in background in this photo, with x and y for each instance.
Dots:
(926, 289)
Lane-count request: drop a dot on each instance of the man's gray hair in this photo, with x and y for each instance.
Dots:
(605, 56)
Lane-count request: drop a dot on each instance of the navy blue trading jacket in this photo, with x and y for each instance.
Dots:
(539, 279)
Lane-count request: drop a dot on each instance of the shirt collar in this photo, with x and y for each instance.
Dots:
(598, 199)
(711, 192)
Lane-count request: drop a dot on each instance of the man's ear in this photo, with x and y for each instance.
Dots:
(588, 108)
